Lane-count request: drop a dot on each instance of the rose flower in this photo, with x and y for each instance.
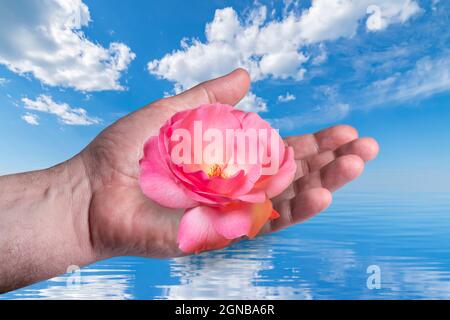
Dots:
(222, 166)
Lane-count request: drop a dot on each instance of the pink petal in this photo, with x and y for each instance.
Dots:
(239, 114)
(234, 221)
(196, 232)
(206, 197)
(217, 116)
(261, 213)
(253, 120)
(210, 116)
(277, 183)
(158, 182)
(255, 196)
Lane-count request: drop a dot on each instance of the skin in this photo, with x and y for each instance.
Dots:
(91, 207)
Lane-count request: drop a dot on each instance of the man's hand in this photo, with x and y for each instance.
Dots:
(110, 215)
(125, 222)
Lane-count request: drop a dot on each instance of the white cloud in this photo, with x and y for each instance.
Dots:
(65, 113)
(252, 103)
(434, 4)
(287, 97)
(44, 38)
(280, 64)
(31, 118)
(332, 19)
(383, 15)
(3, 81)
(429, 76)
(271, 48)
(320, 115)
(321, 57)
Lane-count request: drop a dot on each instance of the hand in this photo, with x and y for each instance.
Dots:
(91, 207)
(122, 221)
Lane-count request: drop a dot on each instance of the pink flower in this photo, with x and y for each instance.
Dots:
(223, 166)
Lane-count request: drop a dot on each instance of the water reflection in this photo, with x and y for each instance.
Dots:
(233, 273)
(93, 284)
(414, 278)
(407, 236)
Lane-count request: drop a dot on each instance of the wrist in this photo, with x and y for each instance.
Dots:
(44, 224)
(75, 180)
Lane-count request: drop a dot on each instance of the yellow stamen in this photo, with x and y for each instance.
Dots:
(214, 171)
(217, 170)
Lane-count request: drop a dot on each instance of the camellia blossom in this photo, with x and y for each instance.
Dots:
(221, 165)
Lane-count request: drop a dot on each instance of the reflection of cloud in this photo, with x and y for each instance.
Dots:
(250, 270)
(339, 261)
(95, 284)
(412, 277)
(406, 235)
(235, 273)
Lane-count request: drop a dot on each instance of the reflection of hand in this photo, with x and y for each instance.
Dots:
(91, 207)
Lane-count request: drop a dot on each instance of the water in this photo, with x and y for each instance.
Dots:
(406, 235)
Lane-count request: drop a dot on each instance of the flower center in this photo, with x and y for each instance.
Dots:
(216, 170)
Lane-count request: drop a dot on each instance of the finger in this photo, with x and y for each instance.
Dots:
(329, 139)
(228, 89)
(334, 175)
(304, 206)
(366, 148)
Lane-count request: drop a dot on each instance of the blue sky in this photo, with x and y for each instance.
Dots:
(381, 66)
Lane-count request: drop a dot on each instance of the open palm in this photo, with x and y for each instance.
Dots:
(122, 221)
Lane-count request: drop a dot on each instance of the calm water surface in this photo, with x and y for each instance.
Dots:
(406, 235)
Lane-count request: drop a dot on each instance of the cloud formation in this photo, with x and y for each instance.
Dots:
(253, 103)
(31, 118)
(287, 97)
(429, 76)
(323, 114)
(273, 48)
(65, 113)
(44, 38)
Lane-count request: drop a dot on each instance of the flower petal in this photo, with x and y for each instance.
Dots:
(241, 218)
(234, 220)
(255, 196)
(274, 215)
(276, 184)
(216, 116)
(197, 233)
(155, 174)
(261, 213)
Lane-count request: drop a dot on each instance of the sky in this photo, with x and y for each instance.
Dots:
(68, 69)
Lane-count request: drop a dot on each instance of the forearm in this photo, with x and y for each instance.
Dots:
(44, 225)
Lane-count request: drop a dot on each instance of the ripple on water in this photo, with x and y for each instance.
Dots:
(406, 235)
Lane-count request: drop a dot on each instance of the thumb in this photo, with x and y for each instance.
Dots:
(228, 89)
